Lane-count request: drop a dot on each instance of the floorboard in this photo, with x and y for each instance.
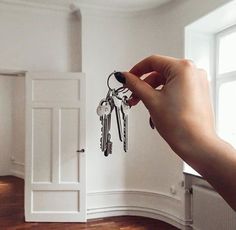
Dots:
(12, 214)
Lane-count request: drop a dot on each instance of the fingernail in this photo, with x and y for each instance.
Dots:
(120, 77)
(151, 123)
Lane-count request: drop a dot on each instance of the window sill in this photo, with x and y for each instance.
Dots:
(190, 171)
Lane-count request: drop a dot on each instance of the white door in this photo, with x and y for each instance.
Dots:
(55, 189)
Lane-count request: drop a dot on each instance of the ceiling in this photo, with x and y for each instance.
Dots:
(119, 5)
(125, 5)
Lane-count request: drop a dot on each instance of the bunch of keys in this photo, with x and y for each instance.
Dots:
(113, 100)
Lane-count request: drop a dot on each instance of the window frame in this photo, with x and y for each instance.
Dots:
(221, 78)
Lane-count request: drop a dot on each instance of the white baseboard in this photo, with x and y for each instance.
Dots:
(18, 169)
(194, 228)
(136, 203)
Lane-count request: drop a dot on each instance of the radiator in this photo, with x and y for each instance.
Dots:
(210, 211)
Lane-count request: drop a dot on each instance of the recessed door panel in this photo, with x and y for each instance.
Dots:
(42, 145)
(56, 201)
(69, 158)
(56, 90)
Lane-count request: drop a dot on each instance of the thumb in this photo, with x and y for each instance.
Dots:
(140, 88)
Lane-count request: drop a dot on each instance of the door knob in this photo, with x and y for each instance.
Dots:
(80, 151)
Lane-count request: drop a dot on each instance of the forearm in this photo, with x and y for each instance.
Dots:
(215, 160)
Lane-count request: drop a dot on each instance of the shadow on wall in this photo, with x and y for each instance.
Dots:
(75, 42)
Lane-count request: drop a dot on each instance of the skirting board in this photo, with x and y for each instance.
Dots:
(136, 203)
(18, 169)
(194, 228)
(129, 202)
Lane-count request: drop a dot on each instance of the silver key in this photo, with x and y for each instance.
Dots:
(125, 110)
(111, 102)
(117, 104)
(100, 112)
(101, 138)
(109, 146)
(103, 110)
(106, 123)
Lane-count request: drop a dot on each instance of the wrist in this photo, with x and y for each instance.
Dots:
(196, 144)
(205, 153)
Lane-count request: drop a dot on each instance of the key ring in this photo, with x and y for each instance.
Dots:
(122, 90)
(119, 90)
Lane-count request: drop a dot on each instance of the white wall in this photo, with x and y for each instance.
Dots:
(18, 126)
(5, 124)
(12, 128)
(108, 44)
(111, 41)
(32, 39)
(105, 46)
(39, 39)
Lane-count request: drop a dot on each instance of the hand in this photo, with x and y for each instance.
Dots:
(181, 110)
(182, 113)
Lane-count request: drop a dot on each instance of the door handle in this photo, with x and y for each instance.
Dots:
(80, 151)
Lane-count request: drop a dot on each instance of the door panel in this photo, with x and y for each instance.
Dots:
(55, 188)
(56, 201)
(42, 145)
(69, 160)
(60, 90)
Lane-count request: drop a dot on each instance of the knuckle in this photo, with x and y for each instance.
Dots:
(135, 85)
(153, 57)
(187, 63)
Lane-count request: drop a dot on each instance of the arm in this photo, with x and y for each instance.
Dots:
(215, 160)
(182, 113)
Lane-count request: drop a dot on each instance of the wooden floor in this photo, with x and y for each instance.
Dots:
(12, 214)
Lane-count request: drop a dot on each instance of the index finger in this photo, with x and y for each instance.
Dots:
(156, 63)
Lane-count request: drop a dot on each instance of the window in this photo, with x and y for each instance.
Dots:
(214, 49)
(226, 84)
